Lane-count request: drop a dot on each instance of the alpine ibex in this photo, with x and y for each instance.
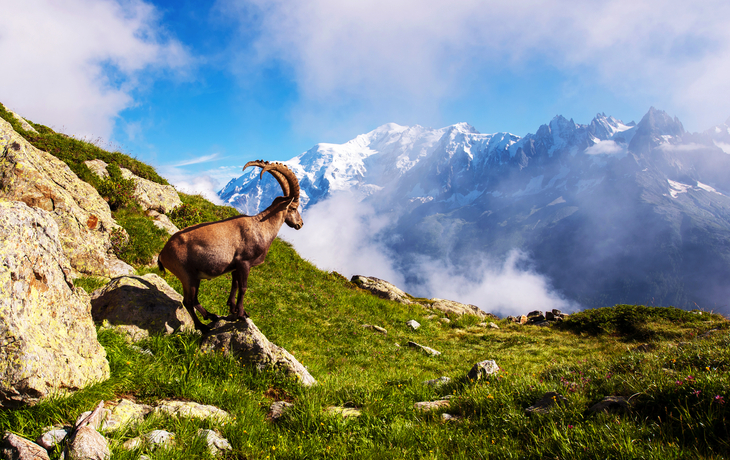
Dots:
(206, 251)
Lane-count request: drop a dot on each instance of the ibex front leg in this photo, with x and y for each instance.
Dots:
(239, 284)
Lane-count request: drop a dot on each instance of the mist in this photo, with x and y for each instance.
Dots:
(344, 235)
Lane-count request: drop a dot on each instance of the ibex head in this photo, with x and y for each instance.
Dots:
(289, 185)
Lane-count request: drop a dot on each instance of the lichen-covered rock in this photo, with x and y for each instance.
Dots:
(150, 195)
(344, 412)
(87, 444)
(147, 302)
(426, 406)
(439, 382)
(153, 440)
(277, 409)
(52, 436)
(216, 443)
(47, 337)
(191, 409)
(13, 447)
(458, 309)
(381, 288)
(244, 339)
(126, 413)
(163, 222)
(428, 350)
(83, 217)
(483, 369)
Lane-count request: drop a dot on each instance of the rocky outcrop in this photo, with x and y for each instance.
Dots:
(14, 447)
(244, 339)
(150, 195)
(47, 337)
(83, 218)
(458, 309)
(146, 302)
(381, 288)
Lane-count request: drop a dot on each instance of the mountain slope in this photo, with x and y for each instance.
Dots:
(610, 212)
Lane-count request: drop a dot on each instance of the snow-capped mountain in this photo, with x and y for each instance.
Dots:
(611, 212)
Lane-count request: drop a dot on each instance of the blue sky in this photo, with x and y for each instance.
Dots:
(197, 88)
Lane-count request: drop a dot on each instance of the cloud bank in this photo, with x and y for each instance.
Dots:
(81, 61)
(361, 56)
(341, 234)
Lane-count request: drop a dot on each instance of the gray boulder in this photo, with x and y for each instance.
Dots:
(382, 289)
(458, 309)
(87, 444)
(47, 337)
(83, 218)
(146, 302)
(13, 447)
(243, 339)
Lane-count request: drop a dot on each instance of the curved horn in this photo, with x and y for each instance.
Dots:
(277, 175)
(289, 175)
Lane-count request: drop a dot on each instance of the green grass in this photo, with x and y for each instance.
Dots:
(679, 388)
(318, 316)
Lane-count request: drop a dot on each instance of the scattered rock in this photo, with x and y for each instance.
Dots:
(426, 406)
(192, 409)
(450, 418)
(14, 447)
(546, 403)
(483, 369)
(163, 222)
(493, 325)
(84, 221)
(125, 413)
(244, 339)
(47, 337)
(345, 412)
(611, 404)
(542, 323)
(456, 308)
(437, 383)
(375, 328)
(428, 350)
(413, 324)
(153, 440)
(216, 443)
(445, 320)
(277, 409)
(52, 436)
(87, 444)
(522, 319)
(381, 288)
(146, 302)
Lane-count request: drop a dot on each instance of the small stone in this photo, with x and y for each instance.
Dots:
(483, 369)
(428, 350)
(493, 325)
(445, 320)
(14, 447)
(345, 412)
(52, 437)
(437, 383)
(546, 403)
(413, 324)
(425, 406)
(277, 409)
(523, 319)
(611, 404)
(192, 409)
(450, 418)
(159, 438)
(216, 443)
(87, 444)
(375, 328)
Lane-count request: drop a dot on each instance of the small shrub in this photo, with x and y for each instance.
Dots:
(145, 240)
(116, 190)
(196, 210)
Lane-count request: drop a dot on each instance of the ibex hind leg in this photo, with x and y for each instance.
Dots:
(240, 281)
(190, 301)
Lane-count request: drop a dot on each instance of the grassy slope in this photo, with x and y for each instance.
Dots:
(318, 316)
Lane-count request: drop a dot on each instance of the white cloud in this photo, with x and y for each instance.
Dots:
(340, 234)
(206, 182)
(200, 159)
(381, 53)
(78, 62)
(605, 148)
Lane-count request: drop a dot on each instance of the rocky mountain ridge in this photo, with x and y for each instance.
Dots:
(610, 212)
